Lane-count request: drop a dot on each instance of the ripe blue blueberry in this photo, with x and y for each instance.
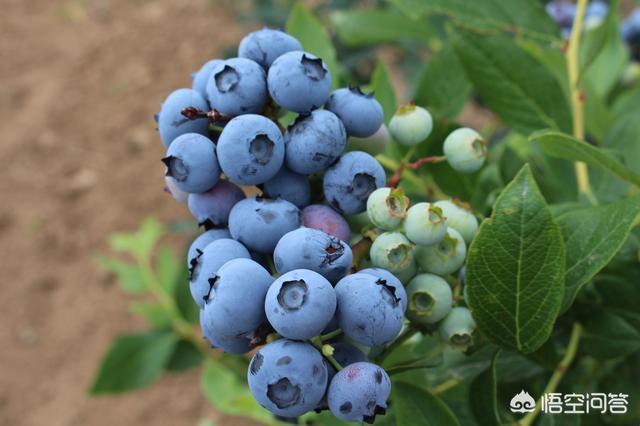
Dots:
(287, 377)
(237, 86)
(457, 328)
(299, 81)
(211, 209)
(563, 12)
(359, 392)
(459, 218)
(347, 354)
(361, 113)
(192, 163)
(630, 28)
(445, 257)
(410, 125)
(289, 186)
(425, 224)
(300, 304)
(391, 280)
(235, 303)
(369, 311)
(250, 149)
(314, 141)
(349, 182)
(465, 150)
(205, 265)
(374, 144)
(201, 77)
(430, 299)
(203, 240)
(259, 223)
(387, 208)
(171, 122)
(229, 344)
(326, 219)
(177, 194)
(308, 248)
(266, 45)
(392, 251)
(595, 13)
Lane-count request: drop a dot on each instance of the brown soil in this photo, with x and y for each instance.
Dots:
(79, 83)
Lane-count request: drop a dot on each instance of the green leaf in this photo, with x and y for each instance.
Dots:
(515, 268)
(483, 396)
(134, 361)
(184, 357)
(627, 102)
(363, 27)
(230, 394)
(418, 407)
(139, 243)
(560, 145)
(599, 39)
(443, 86)
(607, 335)
(169, 269)
(314, 38)
(153, 312)
(514, 84)
(129, 276)
(416, 364)
(384, 92)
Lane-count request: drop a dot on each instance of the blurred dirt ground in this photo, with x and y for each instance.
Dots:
(79, 83)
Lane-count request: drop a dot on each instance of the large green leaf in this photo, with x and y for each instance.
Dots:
(515, 85)
(515, 268)
(592, 236)
(560, 145)
(483, 396)
(384, 92)
(418, 407)
(607, 335)
(134, 361)
(314, 38)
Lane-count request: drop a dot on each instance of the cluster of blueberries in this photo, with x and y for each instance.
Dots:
(224, 133)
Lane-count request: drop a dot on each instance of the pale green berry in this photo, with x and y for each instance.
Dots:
(430, 299)
(459, 218)
(425, 224)
(393, 252)
(465, 150)
(410, 125)
(374, 144)
(387, 207)
(407, 273)
(445, 257)
(457, 328)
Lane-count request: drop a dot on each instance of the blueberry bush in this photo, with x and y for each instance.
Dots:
(368, 259)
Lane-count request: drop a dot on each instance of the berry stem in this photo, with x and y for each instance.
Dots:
(329, 336)
(317, 343)
(432, 159)
(406, 335)
(430, 188)
(558, 374)
(444, 386)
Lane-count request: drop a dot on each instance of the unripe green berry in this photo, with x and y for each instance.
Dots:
(374, 144)
(425, 224)
(430, 299)
(387, 207)
(393, 252)
(410, 125)
(465, 150)
(460, 219)
(445, 257)
(457, 328)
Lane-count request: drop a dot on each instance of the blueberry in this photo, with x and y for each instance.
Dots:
(300, 304)
(229, 344)
(359, 392)
(177, 194)
(374, 144)
(191, 161)
(299, 81)
(369, 311)
(387, 207)
(459, 218)
(465, 150)
(211, 209)
(250, 149)
(430, 299)
(266, 45)
(410, 125)
(237, 86)
(425, 224)
(445, 257)
(171, 122)
(457, 328)
(308, 248)
(595, 13)
(347, 354)
(289, 186)
(563, 12)
(287, 377)
(349, 182)
(326, 219)
(392, 251)
(361, 113)
(235, 303)
(205, 265)
(203, 240)
(630, 28)
(314, 141)
(201, 77)
(259, 223)
(391, 280)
